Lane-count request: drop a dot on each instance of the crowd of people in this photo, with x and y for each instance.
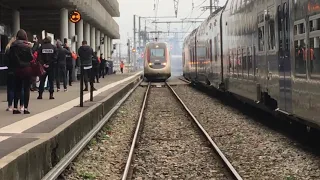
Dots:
(48, 63)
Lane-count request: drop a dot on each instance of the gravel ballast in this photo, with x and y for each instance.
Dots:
(170, 146)
(255, 151)
(106, 155)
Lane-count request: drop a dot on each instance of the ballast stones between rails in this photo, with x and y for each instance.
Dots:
(170, 144)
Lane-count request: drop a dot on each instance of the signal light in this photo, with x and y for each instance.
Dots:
(133, 50)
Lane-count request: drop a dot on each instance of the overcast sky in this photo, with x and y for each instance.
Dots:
(145, 8)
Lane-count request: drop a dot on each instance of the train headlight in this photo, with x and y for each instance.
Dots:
(164, 64)
(150, 64)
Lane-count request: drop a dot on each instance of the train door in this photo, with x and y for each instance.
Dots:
(284, 56)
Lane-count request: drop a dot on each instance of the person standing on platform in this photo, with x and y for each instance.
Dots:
(34, 52)
(107, 66)
(47, 56)
(85, 53)
(102, 66)
(20, 57)
(69, 61)
(62, 65)
(121, 67)
(10, 79)
(95, 67)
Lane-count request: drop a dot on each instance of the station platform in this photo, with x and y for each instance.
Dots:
(30, 145)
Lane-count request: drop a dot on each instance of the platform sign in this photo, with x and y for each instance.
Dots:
(74, 16)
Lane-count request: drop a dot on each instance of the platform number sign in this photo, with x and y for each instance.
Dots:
(75, 16)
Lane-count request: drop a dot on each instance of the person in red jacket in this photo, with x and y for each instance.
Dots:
(121, 66)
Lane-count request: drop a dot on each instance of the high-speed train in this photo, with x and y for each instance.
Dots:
(157, 61)
(264, 51)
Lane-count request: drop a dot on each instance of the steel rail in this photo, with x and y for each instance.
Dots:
(182, 79)
(74, 152)
(136, 134)
(231, 169)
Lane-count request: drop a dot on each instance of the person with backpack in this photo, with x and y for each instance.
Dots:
(69, 62)
(85, 53)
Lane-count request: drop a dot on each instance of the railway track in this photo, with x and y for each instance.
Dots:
(58, 169)
(169, 142)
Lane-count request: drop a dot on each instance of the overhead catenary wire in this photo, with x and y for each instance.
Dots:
(193, 24)
(157, 27)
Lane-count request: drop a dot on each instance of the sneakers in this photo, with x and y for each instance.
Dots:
(9, 109)
(65, 90)
(26, 111)
(19, 112)
(16, 111)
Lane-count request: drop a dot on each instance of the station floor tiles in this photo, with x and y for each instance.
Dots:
(19, 130)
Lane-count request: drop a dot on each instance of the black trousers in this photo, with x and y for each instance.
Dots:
(102, 71)
(50, 74)
(61, 75)
(121, 69)
(69, 73)
(88, 75)
(107, 70)
(96, 72)
(21, 83)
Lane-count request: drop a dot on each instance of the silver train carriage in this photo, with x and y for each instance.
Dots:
(264, 51)
(157, 61)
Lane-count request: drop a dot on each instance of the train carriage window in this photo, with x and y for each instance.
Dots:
(210, 50)
(215, 49)
(254, 60)
(271, 36)
(234, 53)
(261, 38)
(314, 56)
(249, 59)
(229, 61)
(244, 64)
(191, 57)
(300, 57)
(239, 62)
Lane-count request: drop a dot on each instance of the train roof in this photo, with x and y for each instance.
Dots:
(206, 21)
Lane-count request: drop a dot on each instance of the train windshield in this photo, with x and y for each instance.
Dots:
(157, 52)
(201, 52)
